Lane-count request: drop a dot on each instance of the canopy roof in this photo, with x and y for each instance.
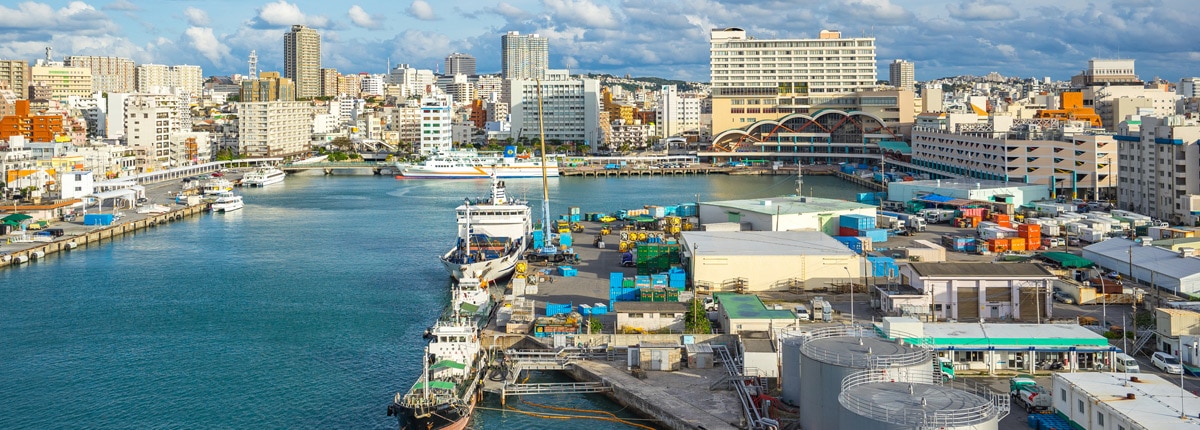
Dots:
(15, 218)
(449, 364)
(1068, 260)
(437, 385)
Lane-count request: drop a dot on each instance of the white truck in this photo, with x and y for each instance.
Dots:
(1028, 394)
(911, 222)
(889, 222)
(936, 216)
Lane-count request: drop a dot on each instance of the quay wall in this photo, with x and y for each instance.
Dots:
(64, 243)
(645, 403)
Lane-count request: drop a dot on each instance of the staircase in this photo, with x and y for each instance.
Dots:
(1143, 337)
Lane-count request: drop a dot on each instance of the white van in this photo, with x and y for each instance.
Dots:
(802, 312)
(1124, 363)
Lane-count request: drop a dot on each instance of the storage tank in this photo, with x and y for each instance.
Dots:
(889, 399)
(789, 369)
(831, 354)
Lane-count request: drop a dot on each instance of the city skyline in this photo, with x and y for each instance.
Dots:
(661, 38)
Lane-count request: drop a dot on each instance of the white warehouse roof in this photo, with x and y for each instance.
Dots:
(1155, 403)
(750, 243)
(1117, 253)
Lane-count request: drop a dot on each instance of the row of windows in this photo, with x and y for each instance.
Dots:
(800, 43)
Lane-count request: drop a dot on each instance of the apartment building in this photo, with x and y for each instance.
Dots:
(677, 113)
(1159, 157)
(902, 75)
(109, 74)
(61, 82)
(436, 124)
(15, 74)
(161, 79)
(524, 56)
(274, 129)
(302, 60)
(269, 87)
(150, 119)
(571, 108)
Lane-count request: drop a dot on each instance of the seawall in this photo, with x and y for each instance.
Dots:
(37, 250)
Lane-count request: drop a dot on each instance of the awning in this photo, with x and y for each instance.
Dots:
(437, 385)
(895, 146)
(643, 218)
(469, 308)
(448, 364)
(15, 218)
(1067, 260)
(126, 193)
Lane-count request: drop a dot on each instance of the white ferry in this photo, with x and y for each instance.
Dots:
(491, 237)
(262, 177)
(473, 164)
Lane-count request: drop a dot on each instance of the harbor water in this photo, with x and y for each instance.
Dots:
(303, 310)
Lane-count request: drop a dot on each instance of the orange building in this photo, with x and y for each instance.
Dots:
(1071, 109)
(35, 128)
(478, 113)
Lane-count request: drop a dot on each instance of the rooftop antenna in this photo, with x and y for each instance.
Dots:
(253, 64)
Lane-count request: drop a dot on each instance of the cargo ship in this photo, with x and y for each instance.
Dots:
(472, 164)
(491, 236)
(444, 396)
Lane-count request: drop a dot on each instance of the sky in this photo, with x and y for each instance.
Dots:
(663, 38)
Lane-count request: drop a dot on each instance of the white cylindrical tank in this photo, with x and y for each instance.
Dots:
(830, 355)
(887, 400)
(789, 369)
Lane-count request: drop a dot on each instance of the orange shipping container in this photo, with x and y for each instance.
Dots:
(1016, 244)
(1005, 224)
(1029, 228)
(1001, 218)
(1033, 246)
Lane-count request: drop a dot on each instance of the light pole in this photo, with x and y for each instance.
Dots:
(850, 279)
(1182, 369)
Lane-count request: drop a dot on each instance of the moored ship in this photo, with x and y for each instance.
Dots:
(491, 236)
(473, 164)
(263, 176)
(443, 397)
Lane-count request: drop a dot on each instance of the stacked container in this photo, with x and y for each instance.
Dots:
(1032, 233)
(573, 214)
(876, 235)
(676, 278)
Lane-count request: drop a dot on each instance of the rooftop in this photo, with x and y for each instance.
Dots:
(982, 270)
(967, 184)
(1003, 335)
(1155, 404)
(1158, 260)
(740, 306)
(764, 243)
(790, 205)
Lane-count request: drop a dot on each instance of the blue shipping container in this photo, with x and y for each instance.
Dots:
(556, 309)
(641, 281)
(882, 266)
(857, 222)
(98, 219)
(567, 271)
(686, 210)
(877, 235)
(854, 243)
(564, 239)
(599, 309)
(614, 279)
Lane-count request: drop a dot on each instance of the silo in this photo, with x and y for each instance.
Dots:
(789, 369)
(890, 400)
(831, 354)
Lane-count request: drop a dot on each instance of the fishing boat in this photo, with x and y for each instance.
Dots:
(443, 397)
(262, 177)
(473, 164)
(491, 236)
(226, 202)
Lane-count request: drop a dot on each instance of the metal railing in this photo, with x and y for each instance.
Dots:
(916, 356)
(990, 406)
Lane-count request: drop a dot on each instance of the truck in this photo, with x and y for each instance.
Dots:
(936, 216)
(1028, 394)
(943, 367)
(889, 222)
(911, 222)
(821, 310)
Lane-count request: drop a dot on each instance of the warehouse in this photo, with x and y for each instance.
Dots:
(648, 317)
(1015, 193)
(739, 313)
(1176, 271)
(783, 213)
(750, 261)
(979, 291)
(1093, 401)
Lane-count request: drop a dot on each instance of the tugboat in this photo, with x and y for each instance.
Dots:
(444, 395)
(491, 236)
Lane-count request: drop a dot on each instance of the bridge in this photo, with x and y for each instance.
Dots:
(329, 166)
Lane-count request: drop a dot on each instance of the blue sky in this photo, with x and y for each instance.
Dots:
(665, 38)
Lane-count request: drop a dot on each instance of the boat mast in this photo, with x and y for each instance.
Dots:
(545, 182)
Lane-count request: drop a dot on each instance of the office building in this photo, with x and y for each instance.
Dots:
(1187, 87)
(269, 87)
(162, 79)
(274, 129)
(571, 108)
(524, 56)
(1158, 157)
(677, 113)
(302, 60)
(109, 74)
(765, 79)
(15, 75)
(150, 119)
(61, 82)
(902, 75)
(460, 64)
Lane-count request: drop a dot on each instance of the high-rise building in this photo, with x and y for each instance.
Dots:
(571, 109)
(62, 81)
(274, 129)
(109, 74)
(757, 79)
(1156, 177)
(329, 83)
(159, 78)
(302, 60)
(35, 128)
(676, 113)
(436, 134)
(149, 121)
(902, 75)
(524, 56)
(460, 64)
(15, 74)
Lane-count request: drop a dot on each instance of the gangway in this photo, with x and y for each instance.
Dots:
(555, 388)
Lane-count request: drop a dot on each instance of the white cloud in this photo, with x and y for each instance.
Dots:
(421, 10)
(978, 10)
(509, 11)
(582, 12)
(881, 11)
(203, 41)
(283, 14)
(361, 18)
(196, 17)
(122, 5)
(42, 17)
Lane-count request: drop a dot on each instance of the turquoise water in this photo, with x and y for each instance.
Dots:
(304, 310)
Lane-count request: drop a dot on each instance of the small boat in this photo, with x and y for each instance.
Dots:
(227, 202)
(262, 177)
(216, 186)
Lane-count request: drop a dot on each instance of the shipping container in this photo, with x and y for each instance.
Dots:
(857, 222)
(876, 235)
(847, 231)
(615, 279)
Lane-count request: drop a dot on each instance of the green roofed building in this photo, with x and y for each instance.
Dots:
(744, 312)
(989, 347)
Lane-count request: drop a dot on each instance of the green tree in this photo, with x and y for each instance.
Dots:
(695, 320)
(342, 144)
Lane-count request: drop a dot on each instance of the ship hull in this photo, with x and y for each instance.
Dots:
(446, 418)
(478, 172)
(487, 270)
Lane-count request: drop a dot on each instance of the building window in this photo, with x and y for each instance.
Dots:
(1062, 392)
(635, 315)
(1100, 419)
(1080, 406)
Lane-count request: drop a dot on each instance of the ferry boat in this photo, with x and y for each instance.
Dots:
(491, 236)
(472, 164)
(262, 177)
(443, 397)
(226, 202)
(216, 186)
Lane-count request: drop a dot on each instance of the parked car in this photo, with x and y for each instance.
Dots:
(1061, 297)
(1166, 362)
